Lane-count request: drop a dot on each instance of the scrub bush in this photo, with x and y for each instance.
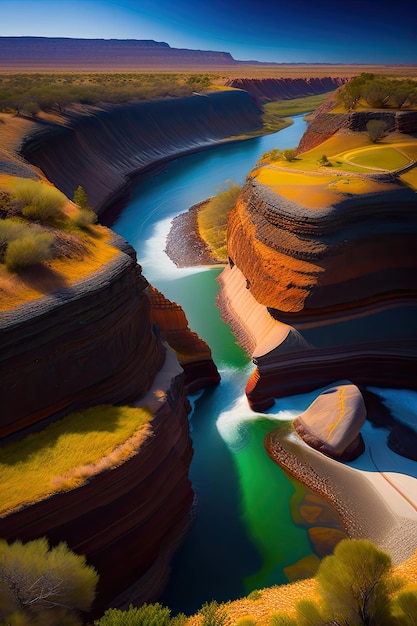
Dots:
(145, 615)
(28, 250)
(42, 202)
(40, 585)
(83, 218)
(214, 614)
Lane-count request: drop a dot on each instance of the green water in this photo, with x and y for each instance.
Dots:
(243, 535)
(266, 494)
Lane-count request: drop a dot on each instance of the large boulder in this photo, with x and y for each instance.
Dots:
(333, 421)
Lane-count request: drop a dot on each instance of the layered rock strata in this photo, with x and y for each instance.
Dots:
(325, 124)
(100, 342)
(342, 278)
(193, 354)
(89, 344)
(286, 88)
(103, 147)
(127, 519)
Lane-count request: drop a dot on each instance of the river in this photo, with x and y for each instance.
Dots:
(243, 535)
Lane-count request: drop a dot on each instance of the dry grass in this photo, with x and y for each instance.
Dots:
(285, 598)
(80, 253)
(67, 453)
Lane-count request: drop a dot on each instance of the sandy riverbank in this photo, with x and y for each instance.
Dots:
(376, 495)
(184, 245)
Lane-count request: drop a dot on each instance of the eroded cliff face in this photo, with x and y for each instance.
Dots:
(126, 520)
(101, 148)
(98, 342)
(337, 284)
(286, 88)
(324, 124)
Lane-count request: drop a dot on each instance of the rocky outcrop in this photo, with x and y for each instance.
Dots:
(325, 124)
(332, 423)
(125, 520)
(102, 341)
(89, 344)
(286, 88)
(193, 353)
(103, 147)
(342, 280)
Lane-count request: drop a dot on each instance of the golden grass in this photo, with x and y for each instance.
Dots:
(90, 250)
(285, 598)
(67, 453)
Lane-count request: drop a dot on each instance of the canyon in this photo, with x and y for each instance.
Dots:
(106, 340)
(330, 271)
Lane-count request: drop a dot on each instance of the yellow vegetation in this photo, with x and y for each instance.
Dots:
(67, 453)
(90, 250)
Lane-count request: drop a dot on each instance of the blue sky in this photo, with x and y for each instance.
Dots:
(283, 31)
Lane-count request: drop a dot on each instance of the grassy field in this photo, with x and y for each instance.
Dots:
(297, 106)
(68, 452)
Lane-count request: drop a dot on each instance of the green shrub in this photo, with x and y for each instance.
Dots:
(42, 585)
(214, 614)
(42, 202)
(145, 615)
(179, 620)
(31, 108)
(376, 129)
(28, 250)
(255, 595)
(83, 218)
(11, 229)
(5, 200)
(289, 154)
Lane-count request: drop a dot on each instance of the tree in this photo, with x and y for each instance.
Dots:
(289, 154)
(376, 129)
(356, 583)
(405, 607)
(40, 585)
(80, 198)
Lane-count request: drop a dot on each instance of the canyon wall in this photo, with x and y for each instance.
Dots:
(125, 520)
(98, 342)
(338, 284)
(265, 89)
(325, 124)
(102, 148)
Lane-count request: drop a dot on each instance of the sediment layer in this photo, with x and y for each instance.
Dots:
(286, 88)
(126, 519)
(341, 277)
(101, 148)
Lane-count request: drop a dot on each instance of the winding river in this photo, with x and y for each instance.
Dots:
(243, 535)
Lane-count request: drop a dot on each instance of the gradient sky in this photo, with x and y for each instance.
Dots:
(283, 31)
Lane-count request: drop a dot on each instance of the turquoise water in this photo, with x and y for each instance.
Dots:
(243, 535)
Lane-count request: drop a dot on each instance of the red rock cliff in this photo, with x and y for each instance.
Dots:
(94, 343)
(333, 289)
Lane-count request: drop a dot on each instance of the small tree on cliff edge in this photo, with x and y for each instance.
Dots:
(43, 586)
(81, 199)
